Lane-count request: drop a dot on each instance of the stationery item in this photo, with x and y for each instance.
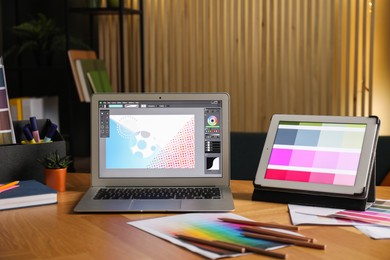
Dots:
(284, 240)
(29, 193)
(7, 135)
(321, 216)
(204, 226)
(32, 107)
(323, 161)
(259, 251)
(16, 106)
(22, 108)
(378, 214)
(213, 249)
(27, 133)
(231, 247)
(77, 55)
(375, 232)
(316, 216)
(214, 243)
(166, 152)
(50, 133)
(85, 66)
(276, 233)
(8, 185)
(260, 224)
(99, 81)
(34, 129)
(9, 188)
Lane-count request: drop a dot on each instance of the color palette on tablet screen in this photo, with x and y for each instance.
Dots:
(326, 153)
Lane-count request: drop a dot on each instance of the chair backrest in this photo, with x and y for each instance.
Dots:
(246, 149)
(382, 158)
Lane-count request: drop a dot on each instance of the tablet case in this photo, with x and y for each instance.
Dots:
(307, 198)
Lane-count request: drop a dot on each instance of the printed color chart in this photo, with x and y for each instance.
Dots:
(378, 214)
(7, 135)
(325, 153)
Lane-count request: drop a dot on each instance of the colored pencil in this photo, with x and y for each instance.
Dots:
(231, 246)
(261, 251)
(284, 240)
(213, 243)
(214, 249)
(259, 224)
(274, 233)
(8, 185)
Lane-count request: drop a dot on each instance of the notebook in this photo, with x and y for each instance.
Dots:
(159, 152)
(26, 194)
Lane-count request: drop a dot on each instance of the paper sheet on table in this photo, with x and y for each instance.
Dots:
(318, 216)
(374, 231)
(205, 226)
(378, 214)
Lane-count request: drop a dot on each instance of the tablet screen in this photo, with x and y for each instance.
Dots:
(316, 152)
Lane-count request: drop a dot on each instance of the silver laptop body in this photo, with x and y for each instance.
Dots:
(152, 140)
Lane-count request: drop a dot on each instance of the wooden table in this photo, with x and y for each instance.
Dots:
(54, 231)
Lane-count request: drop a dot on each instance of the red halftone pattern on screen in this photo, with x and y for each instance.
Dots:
(180, 151)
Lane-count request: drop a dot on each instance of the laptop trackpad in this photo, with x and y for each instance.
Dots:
(152, 205)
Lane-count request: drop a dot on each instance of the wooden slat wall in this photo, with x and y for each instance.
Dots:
(272, 56)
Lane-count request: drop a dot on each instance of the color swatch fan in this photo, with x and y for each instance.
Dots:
(7, 135)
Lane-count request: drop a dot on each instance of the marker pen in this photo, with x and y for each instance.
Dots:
(34, 129)
(50, 133)
(28, 134)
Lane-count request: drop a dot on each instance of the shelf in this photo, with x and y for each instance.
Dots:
(35, 68)
(105, 11)
(120, 12)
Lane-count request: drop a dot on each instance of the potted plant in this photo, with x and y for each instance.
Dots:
(42, 37)
(56, 167)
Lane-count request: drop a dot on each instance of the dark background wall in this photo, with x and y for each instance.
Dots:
(26, 76)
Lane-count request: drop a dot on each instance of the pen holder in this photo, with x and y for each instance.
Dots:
(19, 161)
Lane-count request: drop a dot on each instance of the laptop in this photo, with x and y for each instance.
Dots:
(159, 152)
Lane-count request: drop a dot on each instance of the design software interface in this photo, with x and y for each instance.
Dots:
(160, 138)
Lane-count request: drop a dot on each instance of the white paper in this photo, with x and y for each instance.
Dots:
(375, 232)
(317, 216)
(198, 225)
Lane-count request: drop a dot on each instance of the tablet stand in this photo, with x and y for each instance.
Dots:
(320, 199)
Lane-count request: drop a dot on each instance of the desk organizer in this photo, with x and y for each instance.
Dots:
(19, 161)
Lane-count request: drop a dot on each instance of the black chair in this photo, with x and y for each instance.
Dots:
(382, 158)
(246, 149)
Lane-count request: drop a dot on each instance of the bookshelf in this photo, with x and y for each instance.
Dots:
(79, 113)
(121, 11)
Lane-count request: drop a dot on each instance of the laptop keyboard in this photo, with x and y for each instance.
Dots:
(158, 193)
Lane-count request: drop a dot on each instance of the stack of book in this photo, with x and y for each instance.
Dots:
(25, 194)
(22, 108)
(90, 74)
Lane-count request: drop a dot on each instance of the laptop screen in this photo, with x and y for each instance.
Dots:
(160, 138)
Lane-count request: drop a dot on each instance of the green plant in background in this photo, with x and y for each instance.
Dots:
(55, 161)
(40, 35)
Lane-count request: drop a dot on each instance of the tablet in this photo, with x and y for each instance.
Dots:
(331, 154)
